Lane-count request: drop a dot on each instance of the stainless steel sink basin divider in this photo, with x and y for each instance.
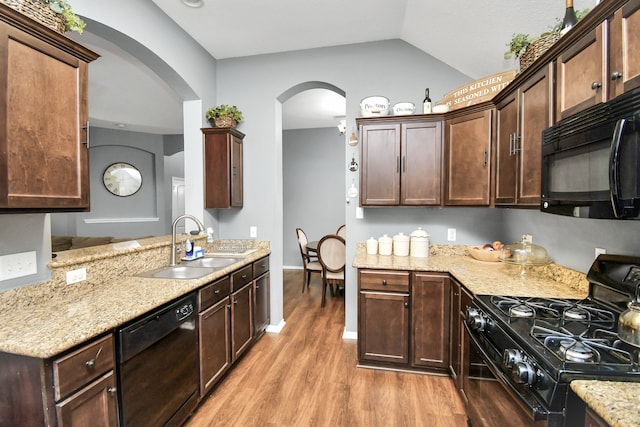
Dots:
(190, 269)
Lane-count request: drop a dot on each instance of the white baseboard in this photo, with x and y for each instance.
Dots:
(292, 267)
(349, 335)
(276, 329)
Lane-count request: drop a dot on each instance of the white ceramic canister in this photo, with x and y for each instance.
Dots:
(385, 245)
(401, 245)
(419, 243)
(372, 246)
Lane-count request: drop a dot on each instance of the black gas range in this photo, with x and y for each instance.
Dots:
(534, 347)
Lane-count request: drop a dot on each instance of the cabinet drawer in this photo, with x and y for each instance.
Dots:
(81, 366)
(391, 281)
(241, 277)
(260, 267)
(213, 293)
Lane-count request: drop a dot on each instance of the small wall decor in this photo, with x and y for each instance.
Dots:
(353, 139)
(122, 179)
(353, 166)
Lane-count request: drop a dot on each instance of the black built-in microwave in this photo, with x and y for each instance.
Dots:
(591, 162)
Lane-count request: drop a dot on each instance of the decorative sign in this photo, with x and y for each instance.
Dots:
(477, 91)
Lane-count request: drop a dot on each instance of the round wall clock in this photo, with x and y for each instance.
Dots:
(122, 179)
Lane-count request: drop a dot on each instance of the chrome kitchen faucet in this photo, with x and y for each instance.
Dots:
(173, 234)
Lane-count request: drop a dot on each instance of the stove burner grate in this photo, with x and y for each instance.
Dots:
(602, 348)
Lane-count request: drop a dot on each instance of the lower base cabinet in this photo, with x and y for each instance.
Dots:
(77, 388)
(403, 319)
(430, 306)
(241, 320)
(458, 343)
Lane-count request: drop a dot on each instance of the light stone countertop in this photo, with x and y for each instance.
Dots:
(618, 403)
(46, 319)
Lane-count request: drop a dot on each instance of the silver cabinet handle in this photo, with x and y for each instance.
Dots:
(90, 363)
(112, 391)
(616, 75)
(511, 144)
(596, 85)
(384, 282)
(516, 147)
(484, 157)
(86, 129)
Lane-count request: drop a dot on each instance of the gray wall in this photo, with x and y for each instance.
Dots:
(145, 213)
(313, 164)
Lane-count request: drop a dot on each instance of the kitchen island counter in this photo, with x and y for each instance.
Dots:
(46, 319)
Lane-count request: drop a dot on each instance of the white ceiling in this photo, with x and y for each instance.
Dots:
(470, 36)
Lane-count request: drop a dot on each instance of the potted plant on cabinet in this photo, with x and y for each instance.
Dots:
(55, 14)
(528, 48)
(223, 115)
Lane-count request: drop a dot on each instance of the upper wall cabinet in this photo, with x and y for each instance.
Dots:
(623, 47)
(521, 117)
(43, 118)
(467, 158)
(223, 168)
(400, 161)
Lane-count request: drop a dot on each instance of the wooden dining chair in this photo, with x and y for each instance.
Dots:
(331, 254)
(310, 264)
(342, 231)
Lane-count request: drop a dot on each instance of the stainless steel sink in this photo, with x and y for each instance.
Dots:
(212, 262)
(178, 272)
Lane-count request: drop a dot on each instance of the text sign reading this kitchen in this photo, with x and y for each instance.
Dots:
(477, 91)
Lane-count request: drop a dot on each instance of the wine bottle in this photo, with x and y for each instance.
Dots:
(569, 18)
(426, 104)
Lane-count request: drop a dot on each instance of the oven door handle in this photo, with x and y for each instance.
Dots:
(532, 406)
(614, 169)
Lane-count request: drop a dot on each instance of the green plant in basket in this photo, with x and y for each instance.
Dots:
(72, 21)
(520, 42)
(224, 110)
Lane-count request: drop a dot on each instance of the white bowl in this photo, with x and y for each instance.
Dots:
(440, 108)
(404, 108)
(373, 106)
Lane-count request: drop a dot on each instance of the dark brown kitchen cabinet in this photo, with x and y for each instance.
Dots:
(467, 157)
(580, 74)
(591, 419)
(261, 292)
(520, 119)
(241, 311)
(624, 44)
(43, 116)
(214, 336)
(223, 168)
(74, 389)
(430, 311)
(400, 162)
(460, 299)
(383, 316)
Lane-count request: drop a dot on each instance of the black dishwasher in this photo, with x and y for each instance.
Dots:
(158, 366)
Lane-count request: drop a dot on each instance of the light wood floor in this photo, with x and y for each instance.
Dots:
(307, 376)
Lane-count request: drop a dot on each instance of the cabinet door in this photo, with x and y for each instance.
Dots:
(236, 172)
(261, 303)
(421, 158)
(383, 327)
(241, 320)
(94, 405)
(535, 115)
(214, 343)
(581, 80)
(467, 153)
(454, 332)
(380, 171)
(506, 155)
(624, 45)
(43, 152)
(223, 168)
(430, 320)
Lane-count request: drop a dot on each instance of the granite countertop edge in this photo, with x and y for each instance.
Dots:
(616, 402)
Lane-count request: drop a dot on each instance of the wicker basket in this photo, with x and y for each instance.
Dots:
(38, 11)
(536, 49)
(224, 122)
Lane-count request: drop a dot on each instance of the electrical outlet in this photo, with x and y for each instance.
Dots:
(253, 231)
(600, 251)
(451, 234)
(75, 276)
(359, 212)
(18, 265)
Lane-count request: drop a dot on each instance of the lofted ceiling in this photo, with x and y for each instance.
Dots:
(468, 35)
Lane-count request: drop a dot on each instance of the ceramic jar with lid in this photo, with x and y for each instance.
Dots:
(372, 246)
(419, 243)
(385, 245)
(401, 245)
